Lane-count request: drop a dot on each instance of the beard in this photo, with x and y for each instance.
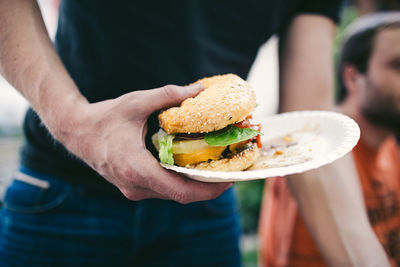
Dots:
(382, 108)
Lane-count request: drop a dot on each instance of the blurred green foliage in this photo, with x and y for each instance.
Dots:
(250, 196)
(250, 259)
(348, 15)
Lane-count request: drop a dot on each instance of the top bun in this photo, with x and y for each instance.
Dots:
(226, 99)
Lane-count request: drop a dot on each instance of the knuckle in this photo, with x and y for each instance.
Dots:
(134, 101)
(126, 175)
(132, 96)
(171, 91)
(128, 194)
(126, 172)
(129, 98)
(180, 197)
(132, 195)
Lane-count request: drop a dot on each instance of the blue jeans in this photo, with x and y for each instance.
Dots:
(50, 222)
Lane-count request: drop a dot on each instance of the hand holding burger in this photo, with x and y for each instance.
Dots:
(211, 131)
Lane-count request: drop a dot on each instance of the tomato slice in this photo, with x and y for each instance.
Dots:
(258, 141)
(247, 124)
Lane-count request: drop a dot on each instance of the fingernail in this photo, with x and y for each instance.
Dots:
(195, 87)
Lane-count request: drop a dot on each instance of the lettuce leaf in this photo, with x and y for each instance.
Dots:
(165, 144)
(229, 135)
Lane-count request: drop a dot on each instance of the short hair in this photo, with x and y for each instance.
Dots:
(358, 41)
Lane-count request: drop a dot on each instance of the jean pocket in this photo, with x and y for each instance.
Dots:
(28, 194)
(223, 205)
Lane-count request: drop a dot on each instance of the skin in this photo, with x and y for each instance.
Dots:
(107, 135)
(329, 198)
(381, 99)
(369, 91)
(304, 56)
(377, 90)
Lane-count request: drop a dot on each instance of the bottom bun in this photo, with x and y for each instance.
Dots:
(237, 162)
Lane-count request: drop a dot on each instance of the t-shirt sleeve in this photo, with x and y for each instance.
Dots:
(328, 8)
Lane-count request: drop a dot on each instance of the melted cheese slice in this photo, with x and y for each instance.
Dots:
(183, 159)
(188, 152)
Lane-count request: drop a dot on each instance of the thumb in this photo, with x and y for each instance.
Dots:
(169, 96)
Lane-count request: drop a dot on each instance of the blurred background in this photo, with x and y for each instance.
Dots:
(263, 77)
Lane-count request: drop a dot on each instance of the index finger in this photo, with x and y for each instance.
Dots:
(176, 187)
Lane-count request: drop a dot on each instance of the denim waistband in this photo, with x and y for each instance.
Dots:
(46, 180)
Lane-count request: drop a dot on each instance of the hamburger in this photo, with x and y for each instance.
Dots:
(212, 131)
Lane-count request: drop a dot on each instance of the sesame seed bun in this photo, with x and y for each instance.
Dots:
(226, 99)
(240, 161)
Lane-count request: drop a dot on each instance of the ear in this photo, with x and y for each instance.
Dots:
(353, 80)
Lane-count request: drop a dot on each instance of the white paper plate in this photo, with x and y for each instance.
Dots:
(293, 142)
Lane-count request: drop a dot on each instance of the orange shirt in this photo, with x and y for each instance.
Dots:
(284, 239)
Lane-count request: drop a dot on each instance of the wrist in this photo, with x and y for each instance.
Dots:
(64, 117)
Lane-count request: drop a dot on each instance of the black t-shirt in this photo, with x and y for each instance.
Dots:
(112, 48)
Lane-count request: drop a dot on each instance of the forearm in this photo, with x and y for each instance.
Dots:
(306, 64)
(29, 62)
(332, 206)
(107, 135)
